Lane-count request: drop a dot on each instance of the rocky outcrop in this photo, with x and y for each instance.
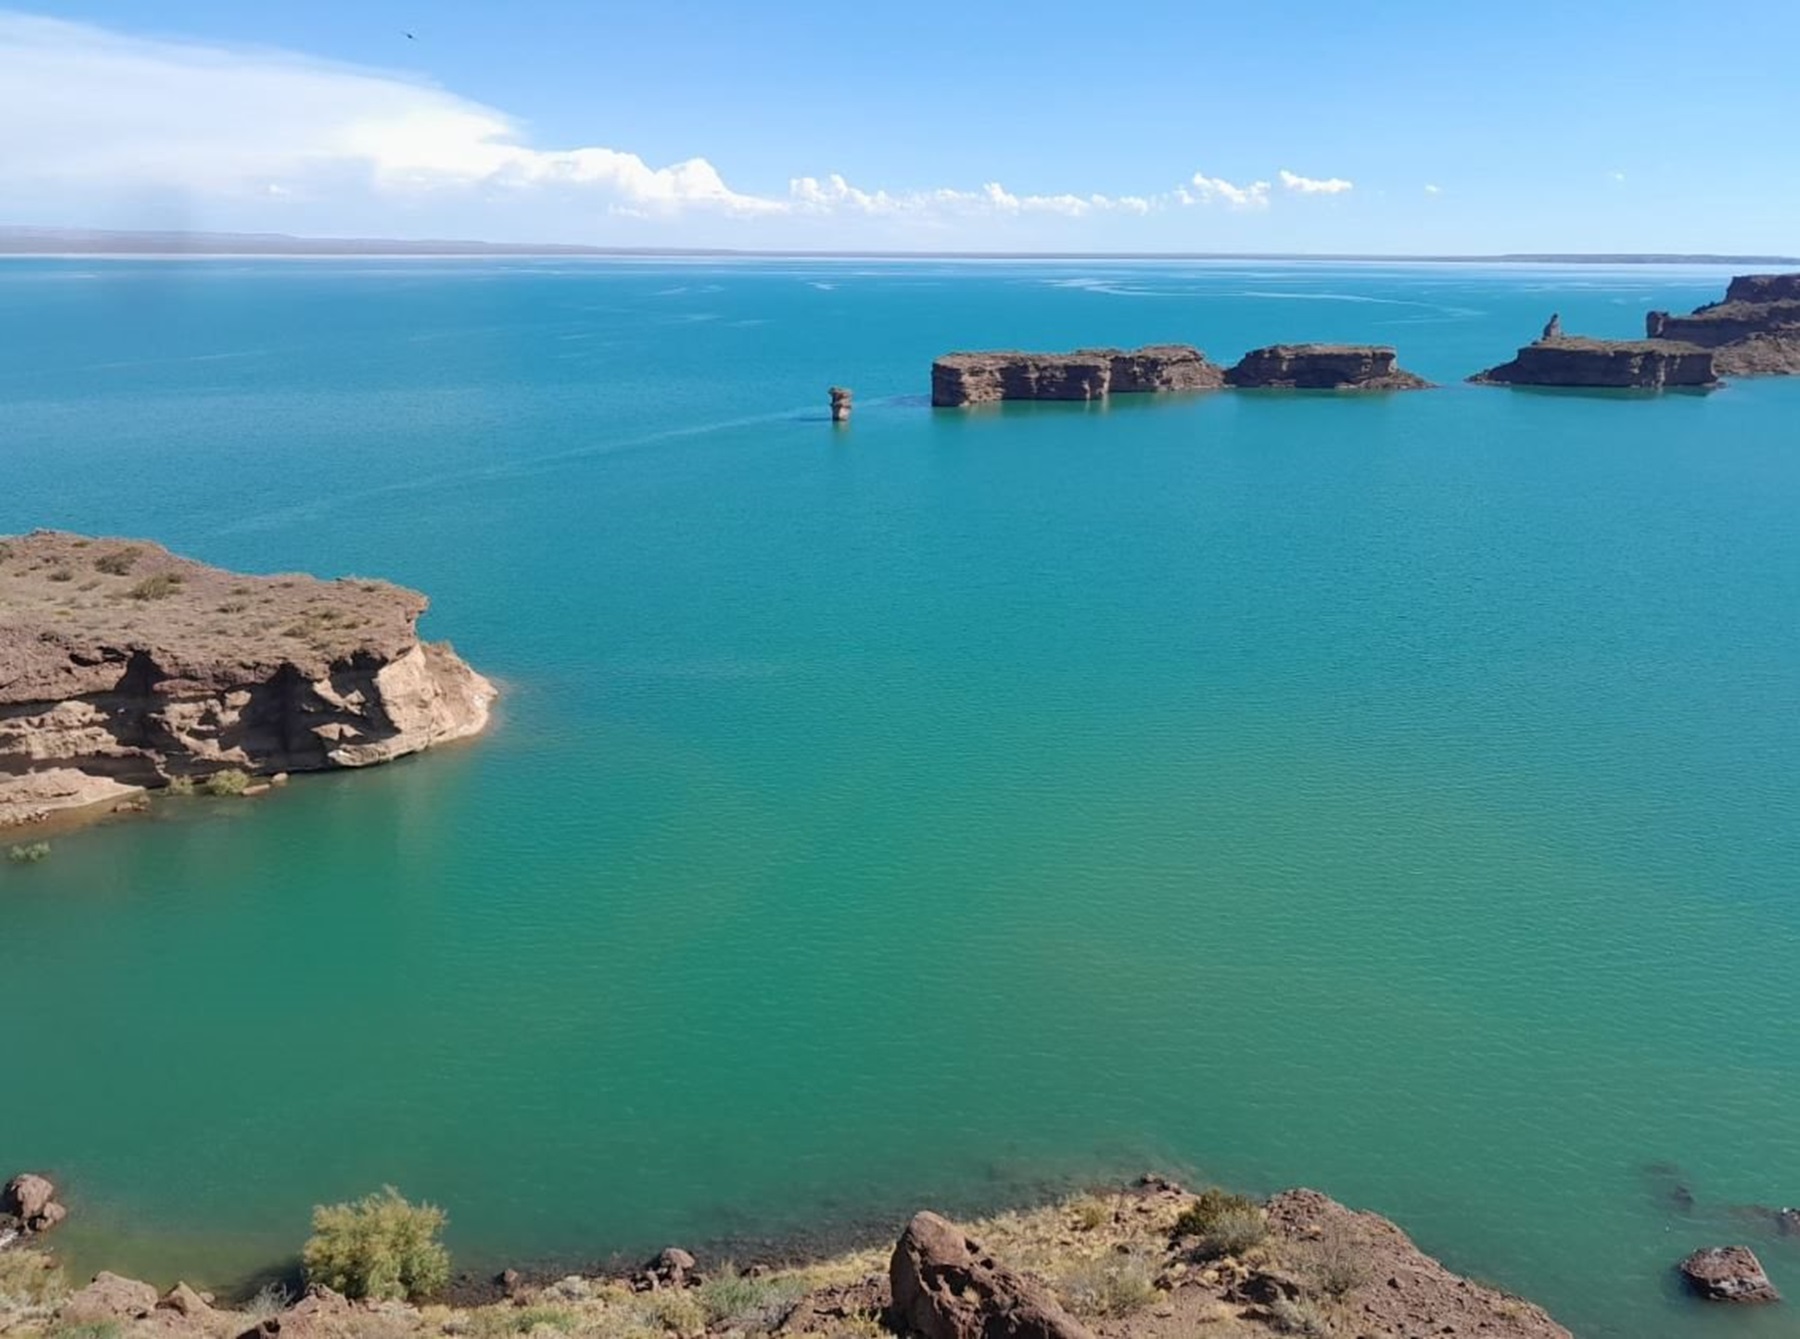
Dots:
(959, 379)
(1328, 367)
(1755, 331)
(124, 667)
(1616, 364)
(1728, 1274)
(109, 1298)
(945, 1286)
(28, 1205)
(841, 398)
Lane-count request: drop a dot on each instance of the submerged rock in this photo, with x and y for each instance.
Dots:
(1728, 1274)
(123, 667)
(1333, 367)
(1617, 364)
(945, 1286)
(959, 379)
(1755, 331)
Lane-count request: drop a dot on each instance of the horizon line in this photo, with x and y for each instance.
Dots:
(25, 240)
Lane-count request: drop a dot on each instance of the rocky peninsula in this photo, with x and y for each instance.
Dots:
(1147, 1261)
(1618, 364)
(125, 668)
(959, 379)
(1325, 367)
(1755, 331)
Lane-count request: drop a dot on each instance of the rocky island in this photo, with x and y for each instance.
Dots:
(1326, 367)
(1755, 331)
(124, 668)
(959, 379)
(1618, 364)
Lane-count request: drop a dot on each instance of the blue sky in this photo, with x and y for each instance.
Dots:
(1393, 127)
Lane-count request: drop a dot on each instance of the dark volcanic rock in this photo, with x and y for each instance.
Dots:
(959, 379)
(945, 1286)
(1619, 364)
(1360, 367)
(1728, 1274)
(1755, 331)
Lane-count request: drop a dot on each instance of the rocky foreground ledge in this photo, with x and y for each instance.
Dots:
(124, 668)
(1151, 1261)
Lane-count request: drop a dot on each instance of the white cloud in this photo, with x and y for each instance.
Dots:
(1431, 189)
(1616, 177)
(1315, 185)
(1208, 189)
(95, 115)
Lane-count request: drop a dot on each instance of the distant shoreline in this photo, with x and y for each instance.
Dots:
(100, 244)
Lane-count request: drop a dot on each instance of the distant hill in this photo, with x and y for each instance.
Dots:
(21, 241)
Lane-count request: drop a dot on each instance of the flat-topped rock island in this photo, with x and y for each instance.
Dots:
(961, 379)
(1755, 331)
(1324, 367)
(1606, 364)
(126, 668)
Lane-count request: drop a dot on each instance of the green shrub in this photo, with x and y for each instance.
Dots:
(1208, 1207)
(5, 552)
(62, 574)
(741, 1302)
(379, 1246)
(229, 782)
(29, 854)
(1090, 1212)
(118, 562)
(180, 785)
(1110, 1286)
(271, 1300)
(157, 587)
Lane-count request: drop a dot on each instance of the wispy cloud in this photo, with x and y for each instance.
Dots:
(1207, 190)
(1293, 181)
(89, 113)
(1432, 189)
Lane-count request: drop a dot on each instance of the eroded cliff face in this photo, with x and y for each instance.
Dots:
(1331, 367)
(123, 667)
(1755, 331)
(1608, 364)
(959, 379)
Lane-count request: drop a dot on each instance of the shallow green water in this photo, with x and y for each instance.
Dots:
(1399, 795)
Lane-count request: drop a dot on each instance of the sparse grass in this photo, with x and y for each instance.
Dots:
(1110, 1286)
(29, 1278)
(1090, 1212)
(1335, 1264)
(271, 1300)
(118, 562)
(233, 607)
(5, 552)
(1303, 1318)
(670, 1310)
(158, 587)
(226, 783)
(93, 1329)
(62, 574)
(29, 854)
(745, 1303)
(380, 1246)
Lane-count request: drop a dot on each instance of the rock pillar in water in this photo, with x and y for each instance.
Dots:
(840, 404)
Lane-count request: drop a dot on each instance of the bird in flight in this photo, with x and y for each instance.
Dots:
(411, 38)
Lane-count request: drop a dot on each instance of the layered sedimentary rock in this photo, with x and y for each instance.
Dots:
(1616, 364)
(1332, 367)
(1755, 331)
(959, 379)
(123, 666)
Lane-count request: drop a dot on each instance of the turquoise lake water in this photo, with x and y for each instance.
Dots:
(1396, 795)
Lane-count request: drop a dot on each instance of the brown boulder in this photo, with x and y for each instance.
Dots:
(671, 1268)
(109, 1297)
(184, 1300)
(945, 1286)
(1728, 1274)
(29, 1198)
